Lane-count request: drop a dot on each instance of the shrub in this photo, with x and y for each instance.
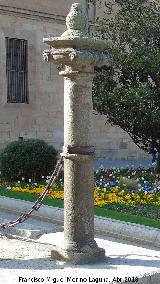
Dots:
(31, 158)
(130, 184)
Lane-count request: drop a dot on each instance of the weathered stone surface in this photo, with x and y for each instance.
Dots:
(79, 243)
(43, 116)
(76, 22)
(125, 261)
(83, 256)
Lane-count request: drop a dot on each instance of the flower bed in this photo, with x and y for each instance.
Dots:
(127, 186)
(134, 191)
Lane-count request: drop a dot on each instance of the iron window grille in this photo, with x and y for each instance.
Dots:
(16, 70)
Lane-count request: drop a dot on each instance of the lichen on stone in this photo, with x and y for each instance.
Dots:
(76, 23)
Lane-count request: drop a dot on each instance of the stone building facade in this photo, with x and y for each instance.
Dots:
(33, 106)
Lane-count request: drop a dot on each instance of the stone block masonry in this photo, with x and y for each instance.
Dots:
(43, 116)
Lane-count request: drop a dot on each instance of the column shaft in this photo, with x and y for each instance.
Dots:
(78, 172)
(78, 109)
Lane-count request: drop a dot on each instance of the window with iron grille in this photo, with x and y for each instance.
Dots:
(16, 70)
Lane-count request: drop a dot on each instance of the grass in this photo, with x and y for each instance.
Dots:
(127, 217)
(148, 211)
(31, 197)
(103, 212)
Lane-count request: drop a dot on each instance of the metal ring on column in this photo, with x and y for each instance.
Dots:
(78, 152)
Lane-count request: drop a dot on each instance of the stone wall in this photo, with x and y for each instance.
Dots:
(56, 7)
(43, 116)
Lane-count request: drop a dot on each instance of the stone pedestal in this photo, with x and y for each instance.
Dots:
(79, 54)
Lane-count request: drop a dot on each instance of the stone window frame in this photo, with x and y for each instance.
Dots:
(17, 70)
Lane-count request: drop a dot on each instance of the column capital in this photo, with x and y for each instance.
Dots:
(75, 47)
(79, 57)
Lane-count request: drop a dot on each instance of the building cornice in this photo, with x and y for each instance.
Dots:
(31, 14)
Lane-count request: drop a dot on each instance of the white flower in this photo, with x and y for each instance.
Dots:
(35, 183)
(42, 176)
(146, 192)
(142, 178)
(101, 167)
(22, 178)
(19, 181)
(110, 175)
(128, 176)
(9, 187)
(29, 180)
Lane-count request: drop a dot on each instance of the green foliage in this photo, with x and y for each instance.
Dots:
(30, 197)
(114, 212)
(130, 184)
(128, 92)
(30, 158)
(144, 216)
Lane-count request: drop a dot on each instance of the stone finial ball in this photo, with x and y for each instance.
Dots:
(76, 19)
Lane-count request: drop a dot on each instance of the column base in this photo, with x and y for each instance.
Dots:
(83, 256)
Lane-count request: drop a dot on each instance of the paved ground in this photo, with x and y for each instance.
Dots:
(104, 226)
(24, 260)
(31, 228)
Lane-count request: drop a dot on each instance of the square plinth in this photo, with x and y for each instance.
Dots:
(78, 257)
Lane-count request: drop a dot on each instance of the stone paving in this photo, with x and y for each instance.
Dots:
(54, 215)
(24, 260)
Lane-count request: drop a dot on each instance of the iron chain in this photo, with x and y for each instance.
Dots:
(39, 201)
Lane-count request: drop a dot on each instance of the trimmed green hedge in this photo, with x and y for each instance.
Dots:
(31, 158)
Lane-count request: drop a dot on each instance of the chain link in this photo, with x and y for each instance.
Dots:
(39, 201)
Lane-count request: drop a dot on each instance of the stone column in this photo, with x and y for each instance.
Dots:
(79, 54)
(78, 168)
